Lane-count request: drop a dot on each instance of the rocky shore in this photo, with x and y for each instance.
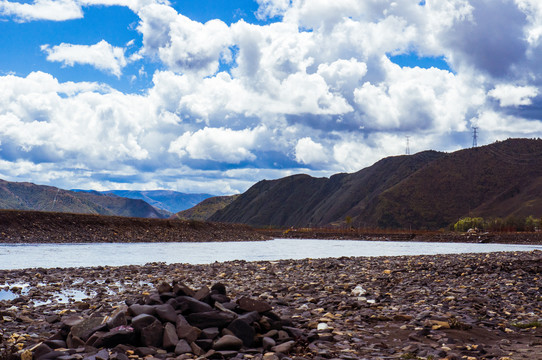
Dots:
(49, 227)
(472, 306)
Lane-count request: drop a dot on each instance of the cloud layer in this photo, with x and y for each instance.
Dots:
(312, 90)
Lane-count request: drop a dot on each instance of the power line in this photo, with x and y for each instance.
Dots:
(407, 150)
(474, 136)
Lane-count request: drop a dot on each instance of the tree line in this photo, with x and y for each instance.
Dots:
(508, 224)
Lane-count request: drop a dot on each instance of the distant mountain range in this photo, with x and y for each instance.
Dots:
(427, 190)
(168, 200)
(27, 196)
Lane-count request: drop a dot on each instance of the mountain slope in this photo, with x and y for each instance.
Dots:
(171, 201)
(206, 208)
(301, 200)
(425, 190)
(28, 196)
(496, 180)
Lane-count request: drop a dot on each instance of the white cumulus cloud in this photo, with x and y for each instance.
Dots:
(510, 95)
(102, 56)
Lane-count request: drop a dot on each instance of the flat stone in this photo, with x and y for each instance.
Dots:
(228, 342)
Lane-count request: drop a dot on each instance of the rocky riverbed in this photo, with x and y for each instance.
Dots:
(473, 306)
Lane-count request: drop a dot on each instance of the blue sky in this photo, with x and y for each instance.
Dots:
(213, 96)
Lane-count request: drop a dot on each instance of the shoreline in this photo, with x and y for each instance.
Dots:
(483, 306)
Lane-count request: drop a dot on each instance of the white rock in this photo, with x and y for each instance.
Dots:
(322, 326)
(359, 291)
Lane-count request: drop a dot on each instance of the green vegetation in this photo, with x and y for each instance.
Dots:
(509, 224)
(532, 324)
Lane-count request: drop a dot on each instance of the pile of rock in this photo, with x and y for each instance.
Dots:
(174, 322)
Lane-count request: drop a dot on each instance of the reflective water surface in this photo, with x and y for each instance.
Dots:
(115, 254)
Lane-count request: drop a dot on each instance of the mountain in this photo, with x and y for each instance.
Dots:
(28, 196)
(171, 201)
(206, 208)
(425, 190)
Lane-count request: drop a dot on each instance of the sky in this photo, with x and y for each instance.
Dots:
(213, 96)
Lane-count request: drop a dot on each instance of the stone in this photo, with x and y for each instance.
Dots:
(166, 313)
(219, 288)
(192, 305)
(87, 327)
(144, 351)
(284, 348)
(250, 317)
(72, 320)
(55, 344)
(197, 350)
(120, 335)
(182, 290)
(268, 343)
(202, 293)
(188, 332)
(164, 287)
(41, 350)
(228, 342)
(247, 304)
(210, 333)
(143, 320)
(243, 331)
(152, 335)
(170, 338)
(182, 347)
(102, 355)
(208, 319)
(117, 318)
(204, 344)
(137, 309)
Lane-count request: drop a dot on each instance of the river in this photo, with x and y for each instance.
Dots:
(22, 256)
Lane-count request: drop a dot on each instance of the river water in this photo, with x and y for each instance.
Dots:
(22, 256)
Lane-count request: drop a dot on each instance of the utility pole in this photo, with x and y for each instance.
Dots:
(407, 150)
(474, 136)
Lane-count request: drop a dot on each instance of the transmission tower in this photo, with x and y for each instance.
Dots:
(407, 150)
(474, 136)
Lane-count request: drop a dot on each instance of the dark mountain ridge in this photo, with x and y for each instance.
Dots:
(425, 190)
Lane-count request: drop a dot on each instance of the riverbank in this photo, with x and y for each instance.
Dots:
(48, 227)
(472, 306)
(528, 238)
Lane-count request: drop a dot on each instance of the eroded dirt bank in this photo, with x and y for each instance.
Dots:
(471, 306)
(47, 227)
